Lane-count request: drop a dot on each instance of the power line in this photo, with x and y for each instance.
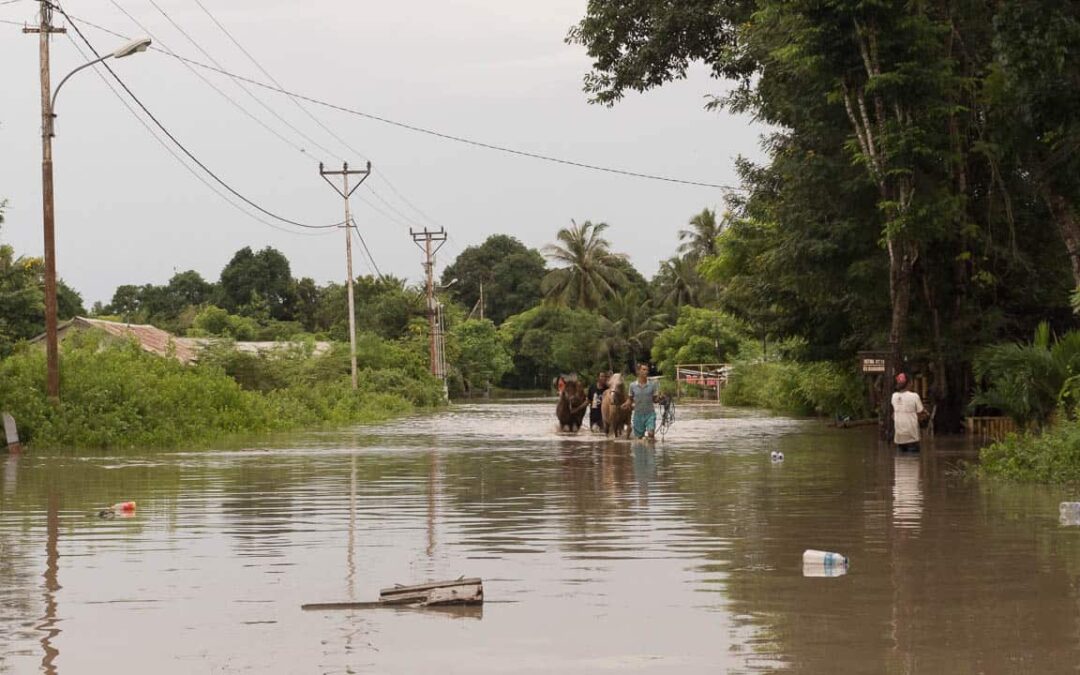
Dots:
(180, 145)
(265, 72)
(242, 87)
(388, 204)
(381, 175)
(178, 158)
(389, 216)
(447, 136)
(356, 231)
(236, 104)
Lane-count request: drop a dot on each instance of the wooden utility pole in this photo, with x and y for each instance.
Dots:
(345, 193)
(424, 241)
(52, 347)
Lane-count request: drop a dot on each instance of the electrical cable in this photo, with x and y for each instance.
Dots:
(236, 104)
(242, 87)
(363, 243)
(389, 216)
(180, 145)
(270, 77)
(440, 134)
(381, 175)
(387, 204)
(178, 158)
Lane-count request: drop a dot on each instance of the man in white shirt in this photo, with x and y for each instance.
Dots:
(907, 406)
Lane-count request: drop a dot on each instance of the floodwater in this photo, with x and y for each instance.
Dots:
(596, 556)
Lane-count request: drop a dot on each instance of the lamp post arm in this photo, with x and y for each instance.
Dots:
(52, 104)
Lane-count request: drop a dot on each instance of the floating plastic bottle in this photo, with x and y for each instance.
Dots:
(1070, 513)
(823, 559)
(817, 570)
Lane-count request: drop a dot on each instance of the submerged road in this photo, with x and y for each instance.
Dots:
(597, 556)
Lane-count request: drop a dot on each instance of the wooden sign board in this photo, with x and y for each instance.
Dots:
(873, 365)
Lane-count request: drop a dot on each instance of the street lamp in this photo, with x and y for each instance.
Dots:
(48, 103)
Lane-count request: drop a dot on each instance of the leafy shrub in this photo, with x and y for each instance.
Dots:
(1052, 456)
(821, 388)
(1028, 382)
(116, 395)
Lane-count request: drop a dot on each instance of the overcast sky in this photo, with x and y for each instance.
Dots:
(492, 70)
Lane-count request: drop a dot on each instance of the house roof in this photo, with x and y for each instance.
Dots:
(163, 343)
(150, 338)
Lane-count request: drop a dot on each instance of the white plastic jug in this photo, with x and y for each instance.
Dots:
(823, 558)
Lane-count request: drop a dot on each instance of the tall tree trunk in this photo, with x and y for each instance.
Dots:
(1067, 222)
(902, 256)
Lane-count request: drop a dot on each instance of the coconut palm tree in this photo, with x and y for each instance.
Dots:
(628, 327)
(678, 283)
(699, 241)
(586, 274)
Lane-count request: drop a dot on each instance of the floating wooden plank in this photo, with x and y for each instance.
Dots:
(344, 605)
(435, 594)
(455, 592)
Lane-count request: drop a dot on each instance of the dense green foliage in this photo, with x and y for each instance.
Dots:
(1029, 382)
(912, 143)
(814, 388)
(1052, 456)
(509, 272)
(120, 396)
(478, 354)
(699, 336)
(22, 297)
(547, 341)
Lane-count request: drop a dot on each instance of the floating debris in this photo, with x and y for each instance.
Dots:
(1070, 513)
(118, 510)
(460, 591)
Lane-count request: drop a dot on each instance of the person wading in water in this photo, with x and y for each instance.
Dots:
(596, 399)
(907, 409)
(643, 397)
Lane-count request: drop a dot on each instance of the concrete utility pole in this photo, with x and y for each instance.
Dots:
(52, 348)
(424, 241)
(345, 193)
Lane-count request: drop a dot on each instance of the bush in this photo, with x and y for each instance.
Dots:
(116, 395)
(820, 388)
(1052, 456)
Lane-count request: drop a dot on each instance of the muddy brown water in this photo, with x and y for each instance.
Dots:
(596, 556)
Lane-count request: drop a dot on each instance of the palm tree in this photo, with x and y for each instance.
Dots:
(678, 283)
(699, 241)
(1028, 382)
(628, 328)
(587, 273)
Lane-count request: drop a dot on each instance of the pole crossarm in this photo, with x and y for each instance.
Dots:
(345, 171)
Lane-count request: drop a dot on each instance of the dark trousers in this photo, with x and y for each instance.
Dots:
(596, 418)
(907, 447)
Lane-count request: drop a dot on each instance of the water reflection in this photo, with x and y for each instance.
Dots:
(907, 492)
(681, 556)
(48, 623)
(11, 476)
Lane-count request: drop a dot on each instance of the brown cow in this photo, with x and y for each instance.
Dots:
(571, 406)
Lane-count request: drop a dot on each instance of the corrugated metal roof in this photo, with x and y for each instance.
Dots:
(163, 343)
